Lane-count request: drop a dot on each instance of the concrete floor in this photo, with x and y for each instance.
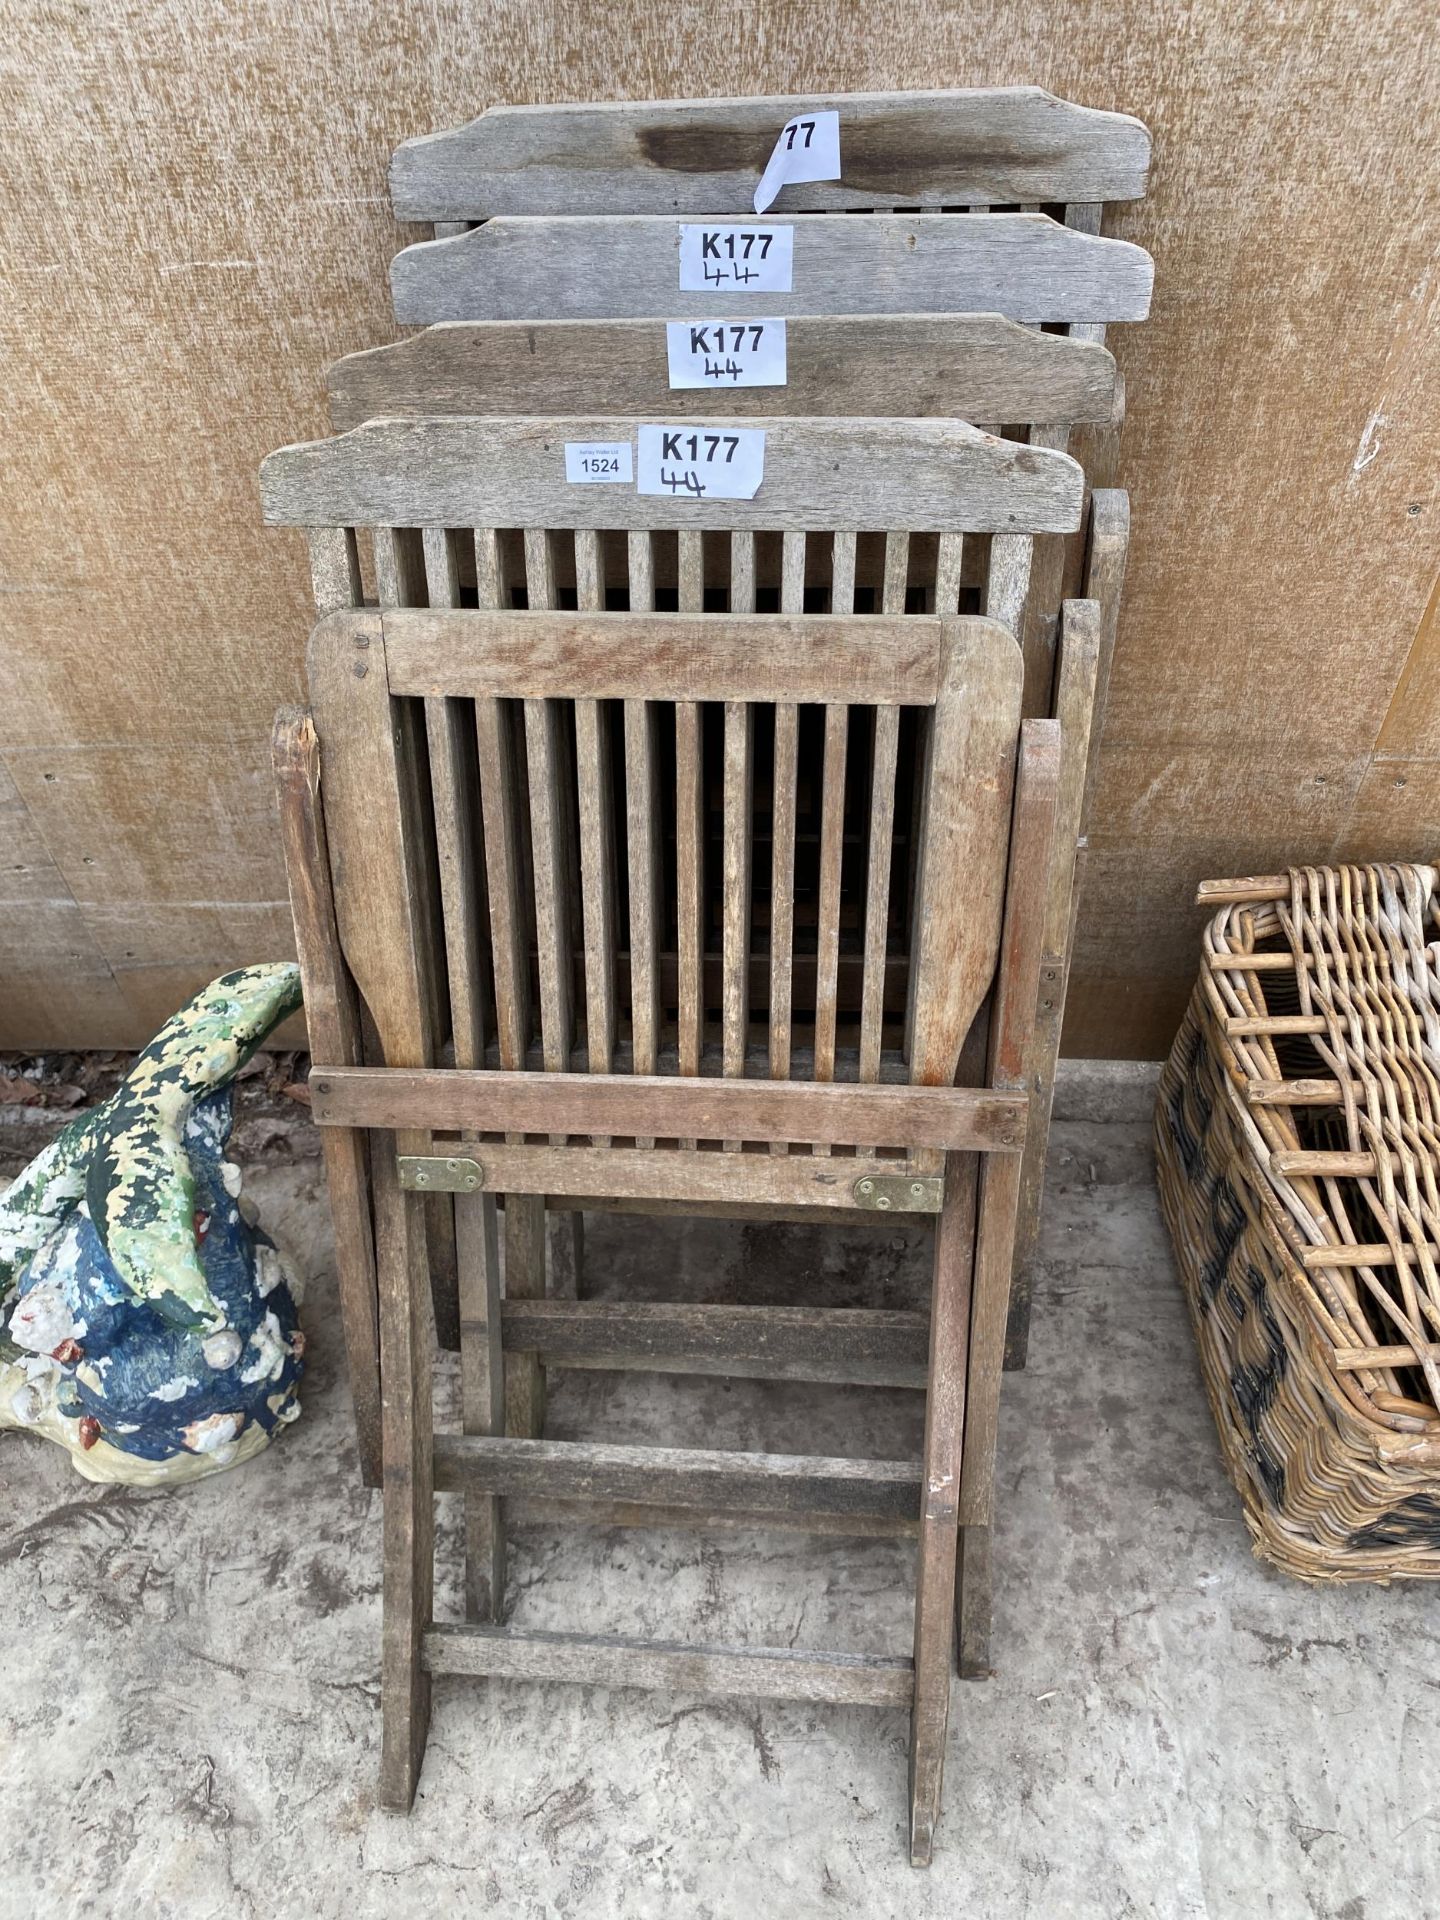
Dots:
(190, 1723)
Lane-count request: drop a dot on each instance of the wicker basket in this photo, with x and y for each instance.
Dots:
(1298, 1134)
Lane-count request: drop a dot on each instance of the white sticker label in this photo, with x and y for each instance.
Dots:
(590, 463)
(726, 353)
(702, 463)
(736, 259)
(808, 149)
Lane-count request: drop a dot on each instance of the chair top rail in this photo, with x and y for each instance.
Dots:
(953, 146)
(925, 475)
(972, 366)
(627, 266)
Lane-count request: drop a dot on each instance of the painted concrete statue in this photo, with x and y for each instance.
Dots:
(146, 1324)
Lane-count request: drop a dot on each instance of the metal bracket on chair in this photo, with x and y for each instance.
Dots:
(429, 1173)
(900, 1192)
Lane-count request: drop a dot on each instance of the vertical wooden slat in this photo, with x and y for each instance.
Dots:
(897, 572)
(884, 762)
(642, 838)
(689, 882)
(1008, 581)
(842, 572)
(597, 851)
(543, 746)
(782, 832)
(949, 557)
(742, 572)
(832, 841)
(736, 884)
(334, 568)
(690, 830)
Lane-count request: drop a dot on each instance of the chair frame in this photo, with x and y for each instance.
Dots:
(401, 1107)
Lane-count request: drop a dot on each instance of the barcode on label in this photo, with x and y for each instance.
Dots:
(726, 353)
(591, 463)
(701, 463)
(736, 259)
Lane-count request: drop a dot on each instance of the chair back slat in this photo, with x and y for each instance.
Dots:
(970, 146)
(968, 366)
(1023, 265)
(936, 476)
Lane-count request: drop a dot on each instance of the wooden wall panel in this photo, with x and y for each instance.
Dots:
(195, 215)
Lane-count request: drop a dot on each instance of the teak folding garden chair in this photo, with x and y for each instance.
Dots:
(702, 1061)
(969, 366)
(993, 151)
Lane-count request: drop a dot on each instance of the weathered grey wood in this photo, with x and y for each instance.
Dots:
(765, 1673)
(406, 1340)
(928, 475)
(1023, 265)
(881, 658)
(973, 1602)
(332, 1020)
(482, 1390)
(960, 887)
(795, 1180)
(803, 1112)
(832, 832)
(875, 1348)
(943, 147)
(970, 366)
(1074, 708)
(759, 1482)
(950, 1310)
(1011, 1042)
(628, 1513)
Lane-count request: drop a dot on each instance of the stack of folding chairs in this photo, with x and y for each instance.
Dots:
(702, 715)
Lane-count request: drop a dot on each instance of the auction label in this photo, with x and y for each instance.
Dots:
(590, 463)
(736, 259)
(726, 353)
(702, 463)
(808, 149)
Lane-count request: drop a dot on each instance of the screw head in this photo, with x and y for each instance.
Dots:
(865, 1186)
(422, 1179)
(883, 1203)
(916, 1188)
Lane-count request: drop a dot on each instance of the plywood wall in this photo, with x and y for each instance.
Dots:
(196, 222)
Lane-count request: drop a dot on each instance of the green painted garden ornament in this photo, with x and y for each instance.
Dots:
(146, 1324)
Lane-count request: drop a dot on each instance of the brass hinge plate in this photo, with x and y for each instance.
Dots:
(430, 1173)
(900, 1192)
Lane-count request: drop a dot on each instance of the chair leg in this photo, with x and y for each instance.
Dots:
(482, 1388)
(972, 1603)
(944, 1437)
(565, 1243)
(524, 1280)
(994, 1247)
(406, 1341)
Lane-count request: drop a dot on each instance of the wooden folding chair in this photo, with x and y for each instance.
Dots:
(970, 366)
(661, 1072)
(994, 151)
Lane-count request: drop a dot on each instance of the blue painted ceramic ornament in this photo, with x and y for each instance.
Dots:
(145, 1323)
